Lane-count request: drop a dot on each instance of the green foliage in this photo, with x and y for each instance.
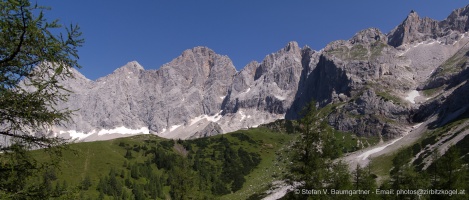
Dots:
(377, 49)
(358, 52)
(454, 64)
(340, 52)
(33, 58)
(31, 54)
(86, 183)
(432, 92)
(364, 179)
(213, 167)
(446, 172)
(314, 153)
(387, 96)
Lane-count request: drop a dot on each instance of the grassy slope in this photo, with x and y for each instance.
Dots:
(95, 159)
(271, 167)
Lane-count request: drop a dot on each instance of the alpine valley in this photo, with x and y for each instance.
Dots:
(380, 93)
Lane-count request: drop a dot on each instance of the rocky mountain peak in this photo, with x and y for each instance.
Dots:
(198, 66)
(460, 12)
(292, 46)
(200, 51)
(412, 15)
(413, 29)
(290, 53)
(369, 36)
(457, 20)
(196, 55)
(132, 66)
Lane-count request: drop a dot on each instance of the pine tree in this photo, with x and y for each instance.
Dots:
(314, 154)
(86, 183)
(128, 154)
(34, 57)
(101, 195)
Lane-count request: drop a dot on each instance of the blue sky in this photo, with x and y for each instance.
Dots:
(153, 32)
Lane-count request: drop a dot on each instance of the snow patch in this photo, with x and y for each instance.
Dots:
(213, 118)
(119, 130)
(418, 44)
(243, 116)
(281, 98)
(249, 89)
(75, 134)
(174, 127)
(196, 119)
(417, 125)
(412, 95)
(222, 97)
(124, 130)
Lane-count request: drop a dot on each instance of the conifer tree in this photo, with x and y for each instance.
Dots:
(34, 58)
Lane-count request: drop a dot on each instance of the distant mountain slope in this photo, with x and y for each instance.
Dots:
(383, 83)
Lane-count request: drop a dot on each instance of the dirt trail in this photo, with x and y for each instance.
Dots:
(86, 163)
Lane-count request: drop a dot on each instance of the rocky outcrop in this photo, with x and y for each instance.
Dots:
(413, 29)
(210, 130)
(364, 76)
(457, 20)
(416, 29)
(263, 92)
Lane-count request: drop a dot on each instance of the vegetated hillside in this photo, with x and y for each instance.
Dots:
(236, 165)
(148, 167)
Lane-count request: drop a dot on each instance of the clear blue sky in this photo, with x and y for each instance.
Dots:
(153, 32)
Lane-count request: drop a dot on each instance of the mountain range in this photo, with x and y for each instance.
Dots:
(382, 85)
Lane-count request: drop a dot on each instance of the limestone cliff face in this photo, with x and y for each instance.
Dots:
(189, 86)
(379, 83)
(359, 75)
(416, 29)
(263, 92)
(413, 29)
(457, 20)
